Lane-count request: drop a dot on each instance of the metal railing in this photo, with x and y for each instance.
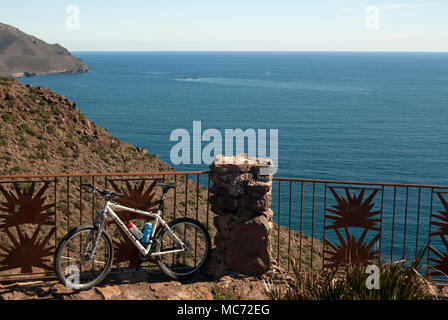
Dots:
(36, 211)
(382, 222)
(317, 222)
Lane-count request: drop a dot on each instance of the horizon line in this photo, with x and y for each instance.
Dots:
(292, 51)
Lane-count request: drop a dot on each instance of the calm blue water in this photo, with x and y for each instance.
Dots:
(348, 116)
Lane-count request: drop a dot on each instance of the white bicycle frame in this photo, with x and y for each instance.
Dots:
(157, 220)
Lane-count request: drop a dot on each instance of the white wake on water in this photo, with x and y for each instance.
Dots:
(274, 84)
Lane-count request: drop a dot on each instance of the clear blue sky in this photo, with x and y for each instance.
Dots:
(311, 25)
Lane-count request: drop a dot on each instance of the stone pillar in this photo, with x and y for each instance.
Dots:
(241, 198)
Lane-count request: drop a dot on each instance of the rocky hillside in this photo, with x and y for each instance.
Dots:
(44, 132)
(24, 55)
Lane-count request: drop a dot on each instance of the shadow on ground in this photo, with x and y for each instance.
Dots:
(141, 285)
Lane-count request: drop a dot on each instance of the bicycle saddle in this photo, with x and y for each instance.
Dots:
(167, 185)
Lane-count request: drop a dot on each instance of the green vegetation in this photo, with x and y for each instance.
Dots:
(62, 151)
(40, 155)
(70, 136)
(42, 146)
(76, 153)
(51, 130)
(34, 97)
(114, 146)
(86, 139)
(42, 114)
(24, 185)
(28, 130)
(34, 90)
(397, 281)
(55, 112)
(6, 157)
(23, 143)
(6, 81)
(220, 295)
(3, 140)
(8, 118)
(15, 170)
(103, 153)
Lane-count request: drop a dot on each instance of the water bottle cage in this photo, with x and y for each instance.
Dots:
(146, 243)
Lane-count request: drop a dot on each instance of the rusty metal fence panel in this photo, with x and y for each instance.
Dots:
(36, 211)
(322, 224)
(317, 222)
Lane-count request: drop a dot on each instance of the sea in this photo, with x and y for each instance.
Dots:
(351, 116)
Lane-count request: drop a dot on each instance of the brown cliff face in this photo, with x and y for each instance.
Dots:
(44, 132)
(24, 55)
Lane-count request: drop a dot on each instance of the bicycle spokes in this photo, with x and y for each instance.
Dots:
(195, 248)
(78, 264)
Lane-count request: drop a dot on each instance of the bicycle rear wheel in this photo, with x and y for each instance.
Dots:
(183, 264)
(73, 267)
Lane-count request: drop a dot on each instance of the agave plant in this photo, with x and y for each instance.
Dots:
(398, 281)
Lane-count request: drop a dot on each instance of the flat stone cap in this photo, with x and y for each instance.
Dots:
(242, 163)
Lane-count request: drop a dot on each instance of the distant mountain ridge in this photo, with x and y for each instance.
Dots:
(25, 55)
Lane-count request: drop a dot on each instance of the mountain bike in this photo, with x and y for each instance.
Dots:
(85, 254)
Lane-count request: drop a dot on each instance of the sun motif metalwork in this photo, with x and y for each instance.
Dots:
(352, 212)
(25, 207)
(443, 218)
(26, 252)
(440, 266)
(125, 251)
(440, 260)
(351, 250)
(135, 197)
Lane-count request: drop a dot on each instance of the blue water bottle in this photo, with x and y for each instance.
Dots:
(146, 233)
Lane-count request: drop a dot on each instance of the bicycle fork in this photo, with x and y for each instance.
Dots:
(98, 226)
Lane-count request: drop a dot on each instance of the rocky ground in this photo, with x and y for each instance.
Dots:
(143, 286)
(156, 286)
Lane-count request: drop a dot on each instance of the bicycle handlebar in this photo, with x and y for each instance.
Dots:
(104, 193)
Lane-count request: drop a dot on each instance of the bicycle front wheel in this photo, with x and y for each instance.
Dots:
(73, 266)
(197, 241)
